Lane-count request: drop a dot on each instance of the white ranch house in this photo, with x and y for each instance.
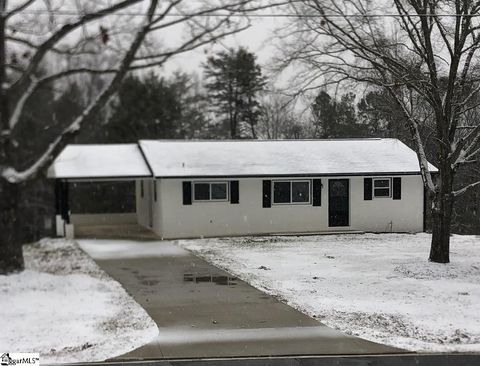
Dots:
(189, 189)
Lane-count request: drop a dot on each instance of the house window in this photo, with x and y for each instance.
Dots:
(382, 187)
(218, 191)
(141, 189)
(155, 191)
(202, 191)
(210, 191)
(282, 192)
(296, 191)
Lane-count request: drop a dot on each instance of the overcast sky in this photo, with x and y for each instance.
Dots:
(257, 39)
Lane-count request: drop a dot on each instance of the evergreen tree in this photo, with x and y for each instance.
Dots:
(156, 108)
(145, 109)
(348, 125)
(324, 115)
(336, 119)
(234, 80)
(382, 115)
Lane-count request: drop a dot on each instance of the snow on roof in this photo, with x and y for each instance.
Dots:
(173, 158)
(279, 157)
(100, 161)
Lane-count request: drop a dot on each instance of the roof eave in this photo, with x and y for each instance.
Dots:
(206, 176)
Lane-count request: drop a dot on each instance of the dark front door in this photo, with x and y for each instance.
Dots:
(338, 202)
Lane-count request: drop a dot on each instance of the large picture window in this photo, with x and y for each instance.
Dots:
(210, 191)
(295, 191)
(382, 187)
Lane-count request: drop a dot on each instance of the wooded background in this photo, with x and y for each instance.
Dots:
(93, 72)
(196, 106)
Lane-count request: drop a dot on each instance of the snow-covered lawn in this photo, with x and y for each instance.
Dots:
(67, 309)
(377, 286)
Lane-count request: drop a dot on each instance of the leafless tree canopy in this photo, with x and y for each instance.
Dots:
(44, 42)
(278, 119)
(423, 52)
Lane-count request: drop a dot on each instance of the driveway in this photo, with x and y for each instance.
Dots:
(204, 312)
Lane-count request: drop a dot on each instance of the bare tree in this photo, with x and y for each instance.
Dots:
(107, 38)
(424, 54)
(277, 117)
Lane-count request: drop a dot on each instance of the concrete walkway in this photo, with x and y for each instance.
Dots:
(203, 312)
(125, 231)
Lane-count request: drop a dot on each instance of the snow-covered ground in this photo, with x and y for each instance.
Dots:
(67, 309)
(377, 286)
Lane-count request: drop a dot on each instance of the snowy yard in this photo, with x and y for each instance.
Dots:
(68, 309)
(376, 286)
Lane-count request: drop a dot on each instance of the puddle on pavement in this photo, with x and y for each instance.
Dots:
(149, 282)
(219, 280)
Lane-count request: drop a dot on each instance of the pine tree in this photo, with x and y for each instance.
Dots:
(234, 80)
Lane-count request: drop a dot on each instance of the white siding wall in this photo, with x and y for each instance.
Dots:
(249, 217)
(142, 202)
(405, 215)
(156, 207)
(148, 210)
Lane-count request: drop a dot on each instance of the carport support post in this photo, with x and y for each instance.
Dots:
(65, 202)
(62, 209)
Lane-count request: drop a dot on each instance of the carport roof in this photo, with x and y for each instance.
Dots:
(109, 161)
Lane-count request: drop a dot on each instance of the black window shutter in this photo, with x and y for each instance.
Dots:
(267, 193)
(367, 189)
(317, 192)
(397, 188)
(154, 190)
(187, 193)
(234, 194)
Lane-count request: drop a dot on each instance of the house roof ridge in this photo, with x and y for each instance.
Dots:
(271, 140)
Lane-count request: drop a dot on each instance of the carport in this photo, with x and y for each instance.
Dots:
(94, 164)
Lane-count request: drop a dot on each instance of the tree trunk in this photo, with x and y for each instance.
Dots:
(11, 258)
(252, 127)
(441, 217)
(233, 124)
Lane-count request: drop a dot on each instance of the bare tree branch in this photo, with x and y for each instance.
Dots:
(13, 176)
(46, 46)
(465, 189)
(19, 8)
(133, 59)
